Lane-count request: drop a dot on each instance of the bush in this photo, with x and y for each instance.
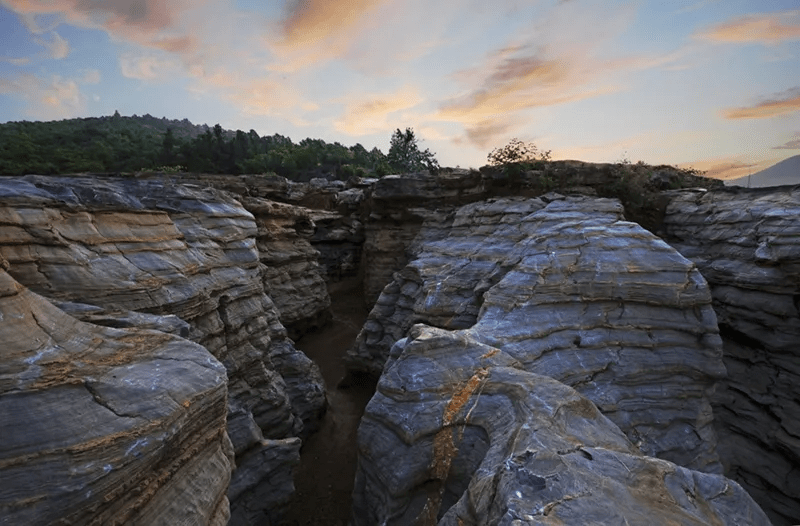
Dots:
(517, 151)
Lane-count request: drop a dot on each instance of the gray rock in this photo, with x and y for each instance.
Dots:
(573, 292)
(747, 244)
(459, 433)
(160, 248)
(107, 426)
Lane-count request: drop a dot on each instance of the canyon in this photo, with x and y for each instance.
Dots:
(543, 351)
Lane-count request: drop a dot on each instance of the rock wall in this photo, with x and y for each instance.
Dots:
(292, 274)
(572, 291)
(105, 425)
(459, 433)
(395, 210)
(747, 245)
(123, 246)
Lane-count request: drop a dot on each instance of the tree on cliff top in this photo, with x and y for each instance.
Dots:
(405, 155)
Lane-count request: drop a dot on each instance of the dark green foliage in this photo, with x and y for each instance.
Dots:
(405, 155)
(119, 144)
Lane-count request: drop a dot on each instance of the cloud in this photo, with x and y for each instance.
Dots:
(313, 22)
(781, 104)
(514, 79)
(362, 116)
(152, 23)
(766, 28)
(727, 168)
(49, 98)
(56, 47)
(315, 31)
(16, 61)
(147, 67)
(91, 76)
(793, 144)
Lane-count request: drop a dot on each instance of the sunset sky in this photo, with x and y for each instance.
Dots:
(710, 83)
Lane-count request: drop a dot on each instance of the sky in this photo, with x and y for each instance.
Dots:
(712, 84)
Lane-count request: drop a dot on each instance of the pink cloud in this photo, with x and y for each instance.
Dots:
(767, 28)
(781, 104)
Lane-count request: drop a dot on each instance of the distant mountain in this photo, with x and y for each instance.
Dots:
(785, 172)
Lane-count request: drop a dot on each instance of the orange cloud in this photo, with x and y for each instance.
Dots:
(769, 28)
(513, 80)
(145, 22)
(367, 116)
(313, 31)
(727, 168)
(311, 22)
(782, 104)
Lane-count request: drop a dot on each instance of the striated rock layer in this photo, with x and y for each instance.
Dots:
(104, 425)
(747, 245)
(459, 433)
(149, 247)
(572, 291)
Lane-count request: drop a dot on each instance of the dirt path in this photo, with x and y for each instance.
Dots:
(324, 479)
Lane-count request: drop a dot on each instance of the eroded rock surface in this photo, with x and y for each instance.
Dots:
(747, 245)
(459, 433)
(292, 274)
(571, 291)
(151, 247)
(104, 425)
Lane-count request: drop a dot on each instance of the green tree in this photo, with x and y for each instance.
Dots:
(405, 155)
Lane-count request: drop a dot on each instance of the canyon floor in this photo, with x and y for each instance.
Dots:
(324, 479)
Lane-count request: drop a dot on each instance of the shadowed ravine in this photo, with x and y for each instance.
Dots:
(324, 479)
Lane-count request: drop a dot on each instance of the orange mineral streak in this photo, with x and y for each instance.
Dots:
(444, 449)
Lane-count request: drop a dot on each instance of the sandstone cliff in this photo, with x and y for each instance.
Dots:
(747, 245)
(107, 426)
(152, 247)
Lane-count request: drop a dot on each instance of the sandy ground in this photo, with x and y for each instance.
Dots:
(324, 479)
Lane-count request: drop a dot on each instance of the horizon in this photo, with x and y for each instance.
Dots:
(591, 81)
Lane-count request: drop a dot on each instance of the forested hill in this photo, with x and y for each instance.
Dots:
(118, 144)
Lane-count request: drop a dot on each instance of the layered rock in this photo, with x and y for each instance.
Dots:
(459, 433)
(105, 425)
(292, 274)
(152, 247)
(747, 245)
(572, 291)
(395, 210)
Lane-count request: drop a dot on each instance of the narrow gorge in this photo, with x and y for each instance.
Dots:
(200, 350)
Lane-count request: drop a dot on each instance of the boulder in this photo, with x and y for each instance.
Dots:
(105, 425)
(459, 433)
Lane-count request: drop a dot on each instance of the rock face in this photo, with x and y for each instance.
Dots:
(292, 274)
(573, 292)
(395, 210)
(104, 425)
(147, 246)
(747, 245)
(460, 434)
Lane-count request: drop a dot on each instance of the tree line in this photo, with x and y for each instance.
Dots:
(119, 144)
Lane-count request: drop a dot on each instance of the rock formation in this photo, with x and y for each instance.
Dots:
(747, 245)
(573, 292)
(152, 247)
(460, 434)
(105, 425)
